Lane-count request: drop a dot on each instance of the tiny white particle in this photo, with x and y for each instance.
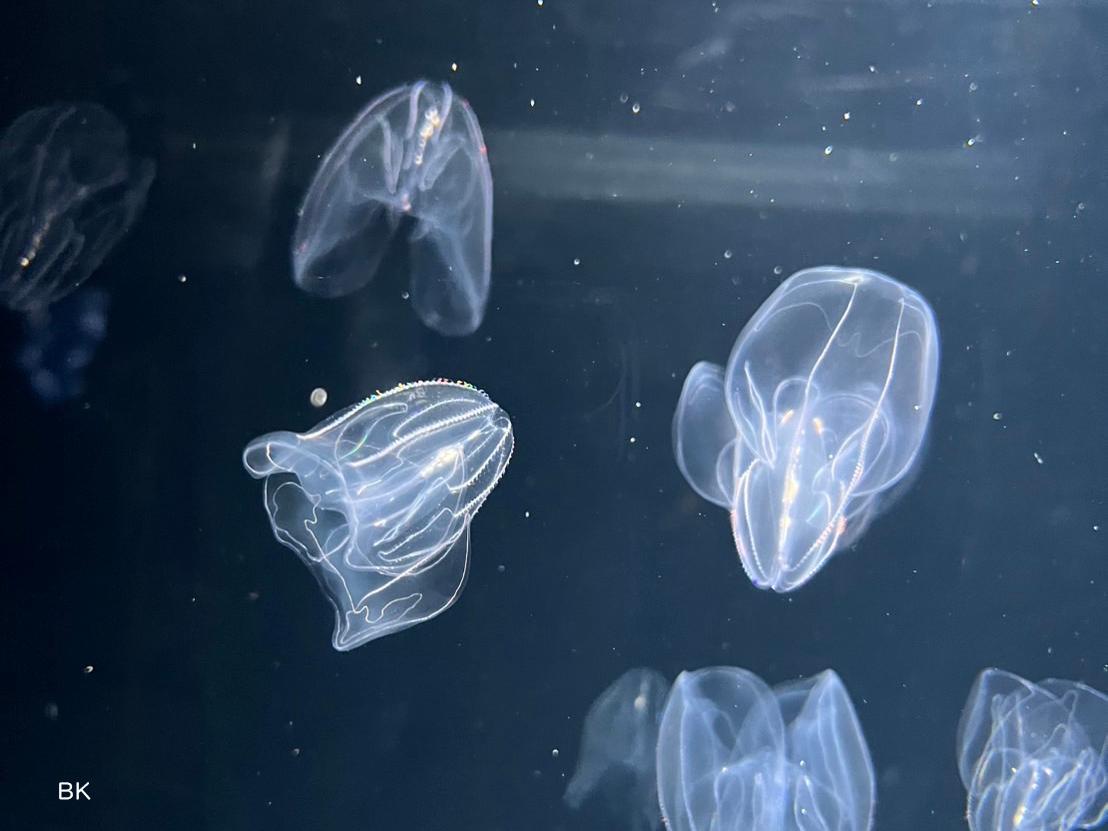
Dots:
(997, 416)
(1038, 458)
(358, 80)
(632, 439)
(827, 150)
(182, 278)
(635, 108)
(919, 102)
(526, 514)
(318, 397)
(88, 669)
(554, 753)
(453, 67)
(846, 116)
(532, 102)
(577, 261)
(728, 254)
(194, 145)
(638, 405)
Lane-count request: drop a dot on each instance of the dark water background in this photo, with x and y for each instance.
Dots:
(135, 543)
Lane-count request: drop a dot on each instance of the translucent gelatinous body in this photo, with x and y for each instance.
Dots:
(822, 408)
(69, 190)
(60, 343)
(377, 500)
(618, 749)
(416, 151)
(734, 754)
(1033, 756)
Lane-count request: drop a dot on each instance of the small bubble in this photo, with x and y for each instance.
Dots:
(526, 514)
(358, 80)
(638, 405)
(827, 150)
(501, 568)
(404, 295)
(454, 67)
(635, 108)
(532, 102)
(872, 68)
(728, 254)
(997, 416)
(919, 102)
(182, 278)
(973, 86)
(554, 753)
(318, 397)
(729, 106)
(296, 751)
(632, 439)
(88, 669)
(577, 261)
(777, 270)
(624, 98)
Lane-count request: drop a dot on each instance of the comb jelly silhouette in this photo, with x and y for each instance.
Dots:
(377, 500)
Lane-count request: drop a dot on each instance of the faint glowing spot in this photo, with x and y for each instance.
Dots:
(443, 459)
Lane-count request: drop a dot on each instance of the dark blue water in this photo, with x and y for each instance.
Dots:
(658, 169)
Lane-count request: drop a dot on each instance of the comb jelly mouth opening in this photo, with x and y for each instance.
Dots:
(316, 533)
